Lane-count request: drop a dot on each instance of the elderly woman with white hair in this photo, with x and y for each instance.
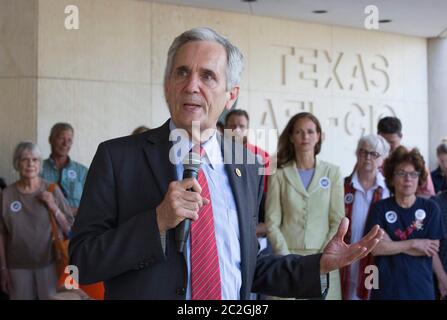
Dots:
(27, 257)
(365, 186)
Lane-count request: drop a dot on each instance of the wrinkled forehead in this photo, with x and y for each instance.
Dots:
(204, 54)
(29, 153)
(368, 146)
(63, 133)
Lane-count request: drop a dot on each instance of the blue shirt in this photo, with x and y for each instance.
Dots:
(225, 215)
(403, 276)
(306, 176)
(70, 179)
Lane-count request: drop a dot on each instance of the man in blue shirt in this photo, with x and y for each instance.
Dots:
(59, 168)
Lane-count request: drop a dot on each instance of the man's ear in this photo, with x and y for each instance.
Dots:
(232, 96)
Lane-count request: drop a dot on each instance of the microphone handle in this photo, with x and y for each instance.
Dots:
(182, 234)
(183, 228)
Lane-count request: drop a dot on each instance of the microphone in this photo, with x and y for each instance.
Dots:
(191, 167)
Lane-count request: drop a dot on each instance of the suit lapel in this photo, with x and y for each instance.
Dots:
(291, 173)
(239, 186)
(157, 154)
(318, 174)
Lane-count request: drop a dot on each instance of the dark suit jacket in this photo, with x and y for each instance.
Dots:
(116, 237)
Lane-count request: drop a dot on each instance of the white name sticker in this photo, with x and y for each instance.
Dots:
(420, 214)
(15, 206)
(325, 182)
(72, 174)
(349, 198)
(391, 216)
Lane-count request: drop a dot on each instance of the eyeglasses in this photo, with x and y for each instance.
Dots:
(364, 153)
(402, 174)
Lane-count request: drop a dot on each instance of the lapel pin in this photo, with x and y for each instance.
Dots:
(238, 172)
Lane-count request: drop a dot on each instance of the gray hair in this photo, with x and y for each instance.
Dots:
(21, 148)
(376, 142)
(235, 59)
(58, 127)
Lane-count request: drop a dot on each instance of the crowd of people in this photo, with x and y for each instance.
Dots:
(121, 226)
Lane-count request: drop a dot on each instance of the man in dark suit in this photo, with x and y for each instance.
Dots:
(135, 197)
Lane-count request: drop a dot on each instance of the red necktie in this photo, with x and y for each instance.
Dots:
(205, 272)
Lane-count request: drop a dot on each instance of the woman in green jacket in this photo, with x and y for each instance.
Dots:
(304, 203)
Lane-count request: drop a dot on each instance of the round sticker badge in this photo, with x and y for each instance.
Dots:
(71, 174)
(349, 198)
(16, 206)
(391, 216)
(420, 214)
(325, 182)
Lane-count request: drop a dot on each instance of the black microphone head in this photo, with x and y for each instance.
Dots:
(192, 162)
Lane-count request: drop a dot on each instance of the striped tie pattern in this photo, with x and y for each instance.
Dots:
(205, 272)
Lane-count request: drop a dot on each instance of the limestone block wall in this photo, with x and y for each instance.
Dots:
(437, 95)
(98, 78)
(18, 78)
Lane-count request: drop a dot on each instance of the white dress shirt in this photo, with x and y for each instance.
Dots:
(360, 209)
